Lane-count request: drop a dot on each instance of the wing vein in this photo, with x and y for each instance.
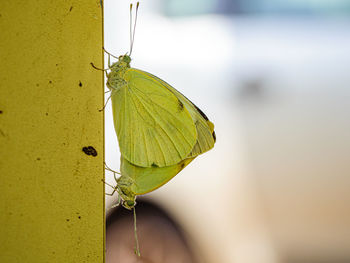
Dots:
(170, 139)
(174, 116)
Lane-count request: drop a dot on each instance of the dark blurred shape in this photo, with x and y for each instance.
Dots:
(160, 237)
(251, 90)
(298, 259)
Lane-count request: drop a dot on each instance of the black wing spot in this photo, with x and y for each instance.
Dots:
(182, 165)
(154, 165)
(214, 136)
(89, 150)
(80, 84)
(180, 105)
(201, 112)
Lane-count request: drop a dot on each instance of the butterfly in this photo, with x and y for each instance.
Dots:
(159, 130)
(145, 110)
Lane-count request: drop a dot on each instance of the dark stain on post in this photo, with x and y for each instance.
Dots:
(89, 150)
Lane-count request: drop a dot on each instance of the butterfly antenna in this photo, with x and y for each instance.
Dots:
(137, 248)
(130, 22)
(133, 33)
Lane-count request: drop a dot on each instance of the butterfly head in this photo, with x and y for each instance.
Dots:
(124, 61)
(125, 58)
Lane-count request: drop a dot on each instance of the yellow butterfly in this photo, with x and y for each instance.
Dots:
(136, 179)
(155, 124)
(159, 130)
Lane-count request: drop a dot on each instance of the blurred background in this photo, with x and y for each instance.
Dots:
(274, 78)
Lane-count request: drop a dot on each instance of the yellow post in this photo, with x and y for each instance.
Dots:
(51, 194)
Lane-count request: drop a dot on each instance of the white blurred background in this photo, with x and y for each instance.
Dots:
(274, 78)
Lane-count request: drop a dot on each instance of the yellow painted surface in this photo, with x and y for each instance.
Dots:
(51, 194)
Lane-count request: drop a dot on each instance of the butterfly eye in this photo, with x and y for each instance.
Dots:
(120, 57)
(126, 59)
(128, 204)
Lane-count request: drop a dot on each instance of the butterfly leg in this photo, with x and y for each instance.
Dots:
(104, 106)
(105, 70)
(109, 169)
(109, 53)
(112, 186)
(111, 194)
(114, 172)
(118, 202)
(109, 57)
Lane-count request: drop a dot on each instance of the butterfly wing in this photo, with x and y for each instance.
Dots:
(205, 128)
(146, 179)
(153, 127)
(137, 180)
